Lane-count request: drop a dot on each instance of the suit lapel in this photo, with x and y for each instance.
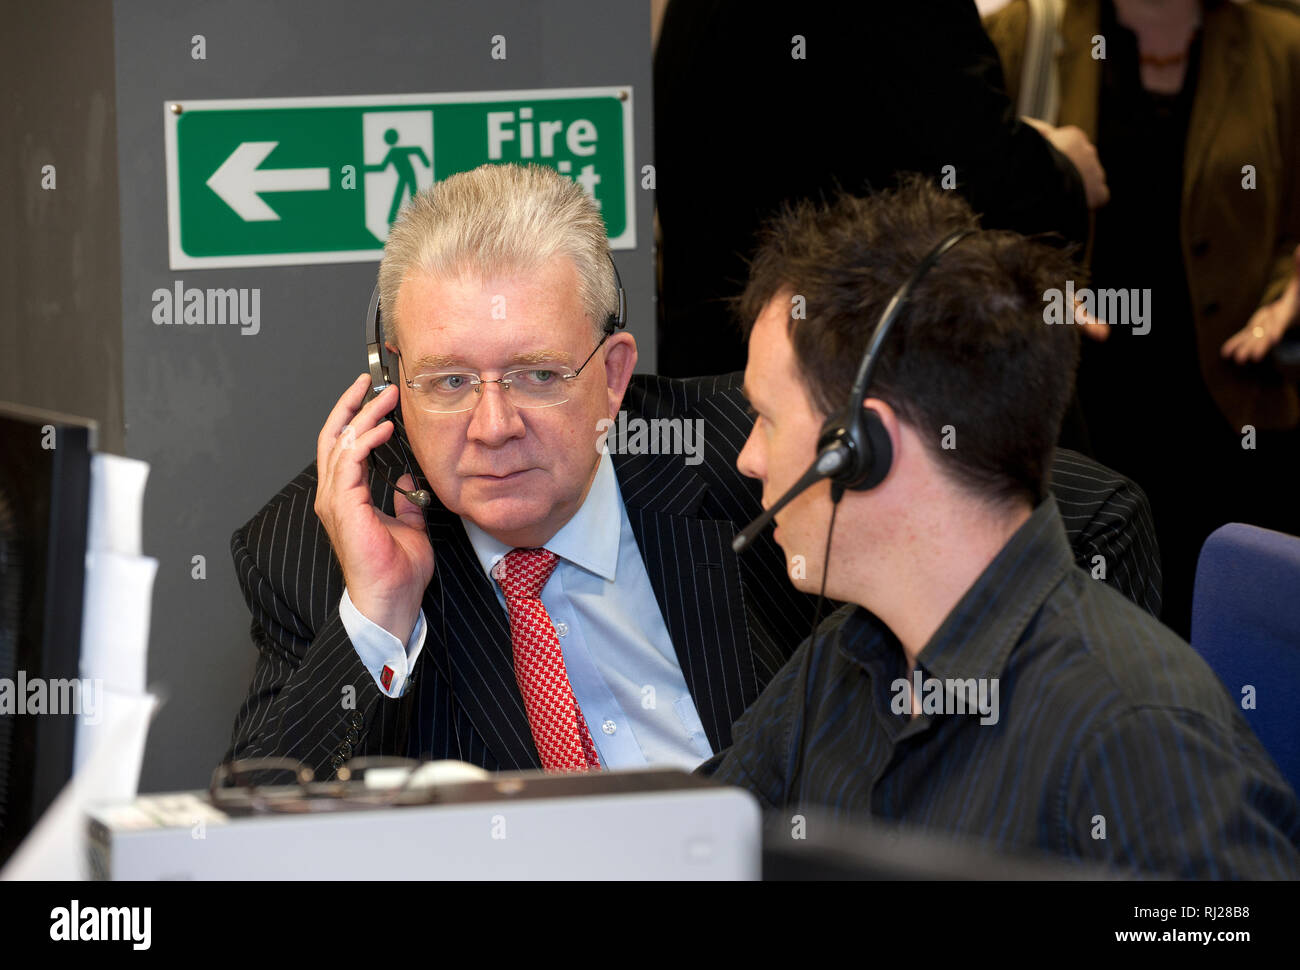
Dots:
(478, 648)
(696, 581)
(1217, 84)
(1079, 71)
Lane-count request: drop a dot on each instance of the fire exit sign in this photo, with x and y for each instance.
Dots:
(284, 181)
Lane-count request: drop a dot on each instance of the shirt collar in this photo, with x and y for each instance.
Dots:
(588, 540)
(977, 636)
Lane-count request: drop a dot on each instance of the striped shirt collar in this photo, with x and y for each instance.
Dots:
(977, 636)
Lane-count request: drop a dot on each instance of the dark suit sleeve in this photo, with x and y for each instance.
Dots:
(311, 698)
(1109, 524)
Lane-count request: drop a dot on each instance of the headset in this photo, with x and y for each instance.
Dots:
(853, 448)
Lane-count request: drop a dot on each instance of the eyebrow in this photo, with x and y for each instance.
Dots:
(744, 389)
(442, 361)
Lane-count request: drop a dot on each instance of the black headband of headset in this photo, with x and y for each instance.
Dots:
(895, 307)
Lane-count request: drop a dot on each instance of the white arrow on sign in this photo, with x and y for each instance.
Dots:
(239, 180)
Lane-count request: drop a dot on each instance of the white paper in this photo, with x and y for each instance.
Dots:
(116, 503)
(57, 847)
(115, 620)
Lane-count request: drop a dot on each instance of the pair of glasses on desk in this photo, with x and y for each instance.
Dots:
(265, 785)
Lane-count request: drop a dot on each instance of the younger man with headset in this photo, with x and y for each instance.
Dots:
(976, 681)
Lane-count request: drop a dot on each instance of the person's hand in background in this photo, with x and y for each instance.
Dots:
(1071, 142)
(1267, 324)
(1093, 328)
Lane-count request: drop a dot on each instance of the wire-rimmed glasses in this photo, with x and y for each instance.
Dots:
(282, 785)
(538, 384)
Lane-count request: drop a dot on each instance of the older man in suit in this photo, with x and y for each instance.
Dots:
(566, 598)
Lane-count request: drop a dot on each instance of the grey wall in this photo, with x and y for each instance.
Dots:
(226, 419)
(60, 288)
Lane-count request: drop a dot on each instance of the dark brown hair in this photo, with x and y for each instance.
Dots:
(970, 350)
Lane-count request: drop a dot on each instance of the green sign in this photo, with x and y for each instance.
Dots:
(276, 182)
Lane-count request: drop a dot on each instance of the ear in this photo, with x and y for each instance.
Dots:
(620, 361)
(884, 436)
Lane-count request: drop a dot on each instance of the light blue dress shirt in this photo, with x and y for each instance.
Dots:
(620, 660)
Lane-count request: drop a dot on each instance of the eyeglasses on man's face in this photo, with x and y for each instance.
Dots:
(540, 384)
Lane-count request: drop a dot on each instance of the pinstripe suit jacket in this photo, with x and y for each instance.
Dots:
(734, 621)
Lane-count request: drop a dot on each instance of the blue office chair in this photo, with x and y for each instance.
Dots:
(1246, 624)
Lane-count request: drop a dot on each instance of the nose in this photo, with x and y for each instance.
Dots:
(750, 462)
(495, 420)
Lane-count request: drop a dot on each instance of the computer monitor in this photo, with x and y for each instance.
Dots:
(44, 503)
(813, 844)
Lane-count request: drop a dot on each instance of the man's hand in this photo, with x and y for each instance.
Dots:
(387, 562)
(1267, 324)
(1071, 142)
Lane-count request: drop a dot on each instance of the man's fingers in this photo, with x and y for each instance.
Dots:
(373, 411)
(347, 434)
(344, 409)
(347, 460)
(339, 416)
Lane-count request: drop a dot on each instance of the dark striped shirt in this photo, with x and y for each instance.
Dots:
(1110, 739)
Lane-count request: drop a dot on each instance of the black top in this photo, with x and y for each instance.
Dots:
(1147, 408)
(1141, 139)
(1107, 739)
(742, 124)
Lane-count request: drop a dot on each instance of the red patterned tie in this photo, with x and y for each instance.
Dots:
(559, 729)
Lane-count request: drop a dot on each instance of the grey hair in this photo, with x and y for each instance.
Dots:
(495, 219)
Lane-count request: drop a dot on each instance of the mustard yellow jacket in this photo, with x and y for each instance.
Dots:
(1237, 242)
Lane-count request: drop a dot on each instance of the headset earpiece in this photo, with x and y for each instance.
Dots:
(616, 321)
(376, 356)
(870, 452)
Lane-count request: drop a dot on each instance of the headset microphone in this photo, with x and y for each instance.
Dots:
(419, 498)
(832, 458)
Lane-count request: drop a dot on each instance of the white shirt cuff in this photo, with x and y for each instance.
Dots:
(388, 661)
